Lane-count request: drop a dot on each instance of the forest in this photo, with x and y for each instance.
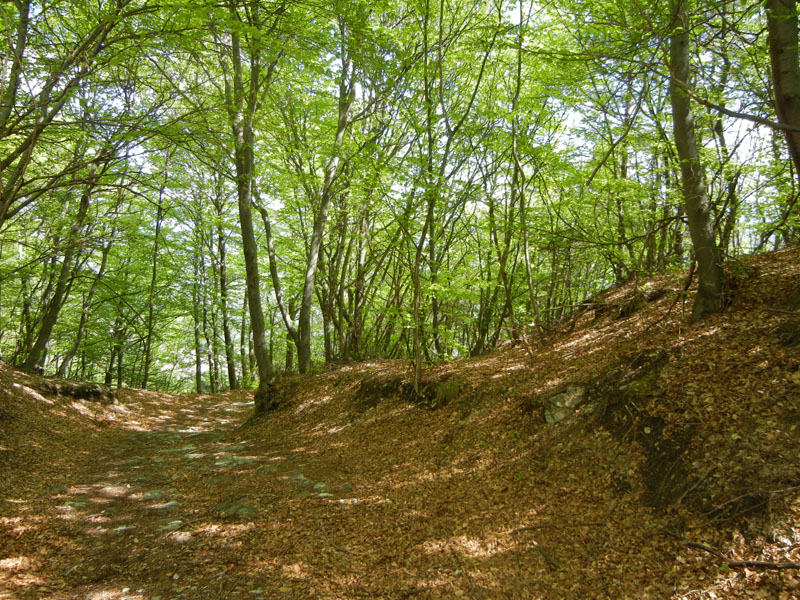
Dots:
(199, 196)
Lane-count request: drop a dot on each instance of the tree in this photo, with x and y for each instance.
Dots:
(710, 298)
(247, 79)
(783, 53)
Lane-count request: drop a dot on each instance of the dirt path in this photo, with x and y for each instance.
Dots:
(151, 508)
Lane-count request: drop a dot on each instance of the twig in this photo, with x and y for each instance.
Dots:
(546, 525)
(733, 564)
(549, 558)
(696, 484)
(780, 311)
(405, 593)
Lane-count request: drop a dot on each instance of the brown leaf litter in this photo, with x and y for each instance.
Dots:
(352, 489)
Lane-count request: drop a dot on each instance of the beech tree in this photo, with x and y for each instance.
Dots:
(783, 53)
(429, 178)
(709, 297)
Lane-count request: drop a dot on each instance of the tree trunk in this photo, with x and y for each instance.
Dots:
(346, 97)
(244, 181)
(211, 355)
(244, 341)
(783, 53)
(198, 350)
(148, 343)
(36, 356)
(709, 297)
(87, 305)
(242, 99)
(226, 324)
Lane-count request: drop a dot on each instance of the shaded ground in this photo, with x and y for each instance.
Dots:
(351, 490)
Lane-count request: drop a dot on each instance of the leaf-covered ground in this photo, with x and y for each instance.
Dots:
(687, 434)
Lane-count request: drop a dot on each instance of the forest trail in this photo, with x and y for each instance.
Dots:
(123, 506)
(352, 489)
(155, 504)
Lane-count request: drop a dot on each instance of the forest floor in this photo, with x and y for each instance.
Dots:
(686, 440)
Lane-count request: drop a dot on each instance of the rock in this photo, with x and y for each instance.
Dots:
(300, 480)
(232, 461)
(560, 406)
(171, 505)
(235, 509)
(231, 448)
(219, 479)
(80, 391)
(171, 525)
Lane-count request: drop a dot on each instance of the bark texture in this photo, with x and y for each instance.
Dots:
(710, 297)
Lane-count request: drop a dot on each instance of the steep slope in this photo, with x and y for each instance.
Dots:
(682, 434)
(685, 433)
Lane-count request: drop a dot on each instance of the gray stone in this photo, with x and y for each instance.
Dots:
(300, 480)
(219, 479)
(560, 406)
(171, 505)
(231, 448)
(171, 525)
(235, 509)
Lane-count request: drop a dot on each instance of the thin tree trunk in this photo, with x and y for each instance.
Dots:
(346, 97)
(36, 357)
(148, 343)
(244, 339)
(226, 324)
(709, 297)
(87, 305)
(198, 351)
(242, 100)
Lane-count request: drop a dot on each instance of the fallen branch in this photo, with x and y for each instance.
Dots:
(734, 564)
(781, 312)
(546, 525)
